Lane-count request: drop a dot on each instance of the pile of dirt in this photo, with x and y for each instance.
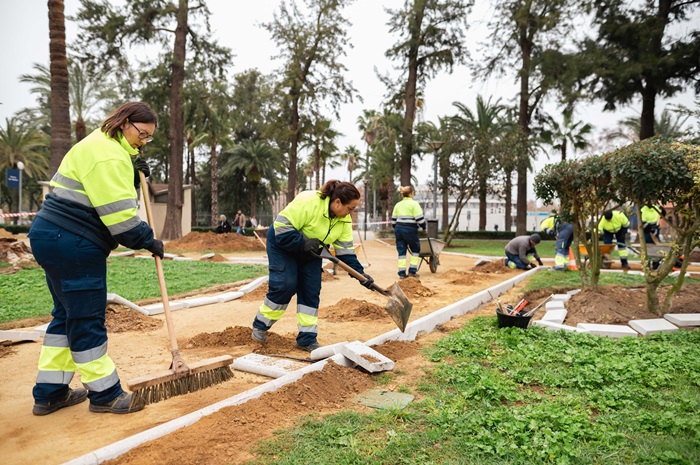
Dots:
(461, 278)
(412, 287)
(398, 350)
(15, 253)
(120, 319)
(326, 276)
(5, 350)
(619, 305)
(496, 267)
(216, 258)
(203, 241)
(352, 310)
(258, 293)
(241, 336)
(233, 429)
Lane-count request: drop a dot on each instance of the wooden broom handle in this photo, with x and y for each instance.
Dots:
(161, 280)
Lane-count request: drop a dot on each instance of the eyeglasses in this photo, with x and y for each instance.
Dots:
(143, 135)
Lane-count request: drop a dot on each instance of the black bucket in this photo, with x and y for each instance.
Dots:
(512, 321)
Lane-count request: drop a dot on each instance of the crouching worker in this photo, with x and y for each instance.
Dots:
(614, 225)
(312, 220)
(518, 250)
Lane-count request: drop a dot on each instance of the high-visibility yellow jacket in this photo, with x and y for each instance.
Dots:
(94, 194)
(408, 214)
(618, 221)
(650, 215)
(308, 216)
(548, 225)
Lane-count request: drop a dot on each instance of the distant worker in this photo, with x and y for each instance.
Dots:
(224, 226)
(614, 225)
(309, 222)
(651, 216)
(519, 249)
(92, 209)
(564, 234)
(406, 218)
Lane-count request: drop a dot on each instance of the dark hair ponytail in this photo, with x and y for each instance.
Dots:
(342, 190)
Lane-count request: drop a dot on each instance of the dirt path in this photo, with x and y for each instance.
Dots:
(348, 312)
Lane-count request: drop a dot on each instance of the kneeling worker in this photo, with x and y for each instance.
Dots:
(614, 224)
(518, 249)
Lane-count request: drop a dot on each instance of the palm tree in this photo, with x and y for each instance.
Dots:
(486, 126)
(351, 155)
(667, 126)
(560, 135)
(258, 161)
(60, 100)
(321, 140)
(21, 142)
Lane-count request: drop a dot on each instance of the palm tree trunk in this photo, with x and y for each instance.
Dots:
(524, 124)
(173, 216)
(60, 99)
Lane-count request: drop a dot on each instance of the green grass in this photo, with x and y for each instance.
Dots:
(25, 295)
(514, 396)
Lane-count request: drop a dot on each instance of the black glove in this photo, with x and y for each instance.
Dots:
(311, 245)
(540, 262)
(532, 265)
(369, 281)
(157, 248)
(142, 166)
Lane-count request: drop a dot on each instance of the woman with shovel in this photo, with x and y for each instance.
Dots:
(312, 220)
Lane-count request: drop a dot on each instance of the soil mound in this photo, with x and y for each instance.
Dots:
(412, 287)
(619, 305)
(6, 235)
(326, 276)
(216, 258)
(496, 267)
(258, 293)
(352, 310)
(16, 253)
(121, 319)
(398, 350)
(461, 278)
(235, 336)
(233, 429)
(5, 351)
(201, 241)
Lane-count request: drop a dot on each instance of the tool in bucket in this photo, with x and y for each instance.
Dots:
(532, 312)
(398, 306)
(180, 378)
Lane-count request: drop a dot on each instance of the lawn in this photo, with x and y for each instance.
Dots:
(512, 396)
(24, 294)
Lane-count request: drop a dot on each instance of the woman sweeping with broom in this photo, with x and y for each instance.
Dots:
(92, 209)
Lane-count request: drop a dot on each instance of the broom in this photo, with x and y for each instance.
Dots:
(180, 378)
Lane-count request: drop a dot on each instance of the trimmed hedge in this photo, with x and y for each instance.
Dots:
(488, 235)
(16, 228)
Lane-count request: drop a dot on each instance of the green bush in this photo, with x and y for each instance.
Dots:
(16, 228)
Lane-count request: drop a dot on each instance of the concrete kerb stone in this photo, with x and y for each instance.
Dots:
(264, 365)
(15, 335)
(365, 356)
(117, 299)
(652, 326)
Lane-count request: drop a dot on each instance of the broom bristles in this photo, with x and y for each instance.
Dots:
(181, 386)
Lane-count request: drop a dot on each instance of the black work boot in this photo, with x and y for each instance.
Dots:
(122, 404)
(311, 347)
(625, 265)
(74, 396)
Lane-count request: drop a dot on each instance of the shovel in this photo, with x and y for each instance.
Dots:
(398, 306)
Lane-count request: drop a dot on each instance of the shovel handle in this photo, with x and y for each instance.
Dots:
(325, 253)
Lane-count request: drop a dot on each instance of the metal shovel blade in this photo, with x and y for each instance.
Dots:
(398, 306)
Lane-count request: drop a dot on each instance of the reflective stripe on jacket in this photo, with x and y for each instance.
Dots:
(618, 221)
(308, 216)
(408, 213)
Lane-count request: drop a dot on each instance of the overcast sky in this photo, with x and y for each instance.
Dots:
(236, 24)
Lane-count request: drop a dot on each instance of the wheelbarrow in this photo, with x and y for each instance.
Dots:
(655, 255)
(606, 251)
(430, 252)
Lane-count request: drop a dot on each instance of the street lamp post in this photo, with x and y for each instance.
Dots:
(435, 145)
(20, 166)
(369, 138)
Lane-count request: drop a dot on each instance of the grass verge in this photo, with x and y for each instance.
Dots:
(513, 396)
(25, 294)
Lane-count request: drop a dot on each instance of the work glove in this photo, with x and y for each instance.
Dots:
(532, 265)
(540, 262)
(142, 166)
(369, 281)
(157, 248)
(312, 245)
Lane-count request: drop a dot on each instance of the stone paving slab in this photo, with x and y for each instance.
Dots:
(683, 319)
(385, 400)
(326, 351)
(554, 305)
(561, 297)
(613, 331)
(14, 335)
(555, 316)
(366, 357)
(552, 326)
(652, 326)
(272, 367)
